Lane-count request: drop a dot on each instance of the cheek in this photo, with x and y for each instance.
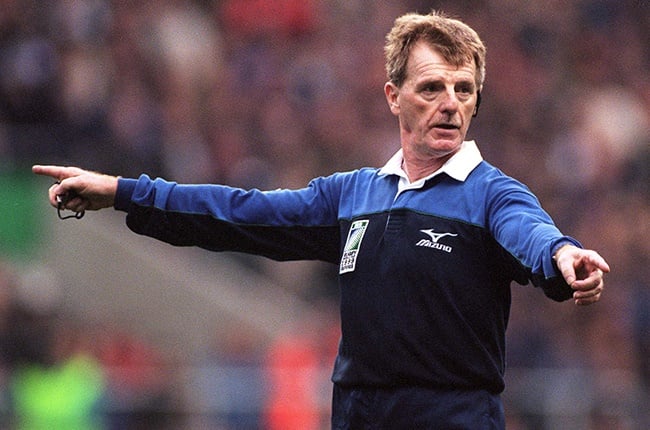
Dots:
(467, 112)
(418, 113)
(414, 122)
(407, 115)
(465, 122)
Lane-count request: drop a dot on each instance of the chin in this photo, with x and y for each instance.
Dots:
(444, 147)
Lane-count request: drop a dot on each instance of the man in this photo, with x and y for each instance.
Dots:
(426, 246)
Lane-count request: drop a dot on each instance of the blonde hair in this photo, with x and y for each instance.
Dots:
(457, 42)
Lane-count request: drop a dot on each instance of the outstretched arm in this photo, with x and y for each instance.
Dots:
(582, 270)
(85, 190)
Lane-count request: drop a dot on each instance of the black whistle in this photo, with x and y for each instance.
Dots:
(62, 200)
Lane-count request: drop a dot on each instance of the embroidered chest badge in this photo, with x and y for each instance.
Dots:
(352, 245)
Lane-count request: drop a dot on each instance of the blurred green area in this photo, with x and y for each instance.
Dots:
(21, 208)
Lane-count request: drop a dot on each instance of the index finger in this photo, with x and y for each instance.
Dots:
(56, 172)
(599, 262)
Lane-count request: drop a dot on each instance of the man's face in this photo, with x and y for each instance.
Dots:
(434, 104)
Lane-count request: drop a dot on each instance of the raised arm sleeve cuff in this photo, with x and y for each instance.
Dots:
(550, 268)
(125, 188)
(552, 281)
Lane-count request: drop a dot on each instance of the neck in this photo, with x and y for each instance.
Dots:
(417, 169)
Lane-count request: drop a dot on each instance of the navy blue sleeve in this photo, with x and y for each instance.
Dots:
(125, 188)
(280, 224)
(527, 232)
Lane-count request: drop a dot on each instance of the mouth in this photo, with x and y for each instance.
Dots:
(446, 130)
(447, 126)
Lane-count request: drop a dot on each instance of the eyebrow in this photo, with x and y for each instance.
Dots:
(437, 79)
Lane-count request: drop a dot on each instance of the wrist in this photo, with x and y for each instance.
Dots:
(560, 248)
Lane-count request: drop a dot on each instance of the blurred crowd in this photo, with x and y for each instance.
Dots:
(269, 94)
(59, 372)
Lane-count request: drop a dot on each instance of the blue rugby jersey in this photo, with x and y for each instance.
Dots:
(424, 273)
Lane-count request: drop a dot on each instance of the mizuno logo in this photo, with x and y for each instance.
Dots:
(433, 242)
(436, 236)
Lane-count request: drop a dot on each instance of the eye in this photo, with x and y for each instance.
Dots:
(465, 89)
(432, 87)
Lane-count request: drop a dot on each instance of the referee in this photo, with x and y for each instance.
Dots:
(427, 246)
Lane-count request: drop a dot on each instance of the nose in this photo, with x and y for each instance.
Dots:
(449, 103)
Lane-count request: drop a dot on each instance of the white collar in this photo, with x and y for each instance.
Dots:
(459, 166)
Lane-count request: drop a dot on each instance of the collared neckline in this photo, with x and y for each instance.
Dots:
(459, 166)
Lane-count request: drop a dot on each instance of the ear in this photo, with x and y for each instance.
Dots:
(478, 103)
(392, 92)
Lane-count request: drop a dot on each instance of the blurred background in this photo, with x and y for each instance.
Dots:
(103, 329)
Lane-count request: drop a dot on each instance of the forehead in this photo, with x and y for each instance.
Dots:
(426, 62)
